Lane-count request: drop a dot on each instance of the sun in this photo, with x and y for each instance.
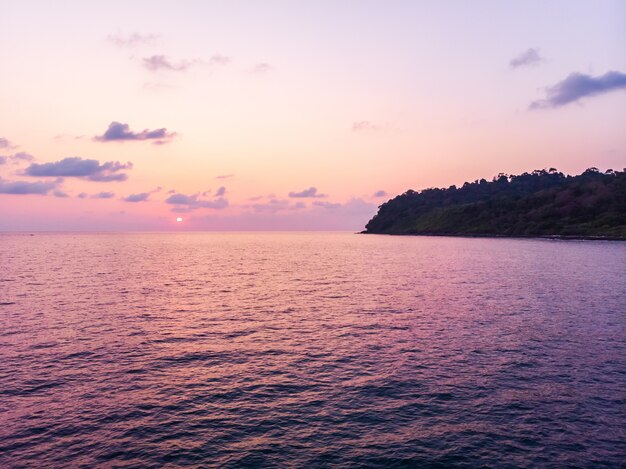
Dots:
(179, 219)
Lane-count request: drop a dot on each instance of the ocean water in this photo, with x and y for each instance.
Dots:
(310, 350)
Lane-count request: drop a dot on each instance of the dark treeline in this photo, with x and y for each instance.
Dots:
(541, 203)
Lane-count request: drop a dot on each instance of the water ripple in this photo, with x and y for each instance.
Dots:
(311, 350)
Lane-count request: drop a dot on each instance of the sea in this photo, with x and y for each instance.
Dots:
(310, 350)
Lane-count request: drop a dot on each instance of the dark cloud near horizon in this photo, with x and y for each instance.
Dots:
(156, 63)
(25, 187)
(220, 192)
(577, 86)
(60, 193)
(311, 193)
(276, 205)
(103, 195)
(328, 205)
(133, 39)
(192, 202)
(529, 57)
(119, 132)
(380, 193)
(79, 167)
(142, 197)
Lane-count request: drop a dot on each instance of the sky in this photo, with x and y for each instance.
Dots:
(294, 114)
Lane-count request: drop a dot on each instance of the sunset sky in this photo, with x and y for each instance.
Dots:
(258, 115)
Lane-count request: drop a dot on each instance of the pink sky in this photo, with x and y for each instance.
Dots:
(292, 114)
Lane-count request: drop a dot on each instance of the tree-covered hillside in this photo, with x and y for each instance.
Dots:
(541, 203)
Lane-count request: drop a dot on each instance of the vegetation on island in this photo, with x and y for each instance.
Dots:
(541, 203)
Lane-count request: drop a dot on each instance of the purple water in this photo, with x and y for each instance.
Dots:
(308, 350)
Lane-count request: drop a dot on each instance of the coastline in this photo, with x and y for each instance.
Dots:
(475, 235)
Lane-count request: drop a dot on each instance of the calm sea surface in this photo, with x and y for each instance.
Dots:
(307, 350)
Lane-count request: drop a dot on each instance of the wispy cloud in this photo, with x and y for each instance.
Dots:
(157, 63)
(64, 137)
(219, 59)
(133, 39)
(22, 156)
(224, 176)
(380, 193)
(364, 126)
(118, 132)
(261, 67)
(577, 86)
(311, 192)
(157, 87)
(6, 144)
(25, 187)
(17, 158)
(79, 167)
(529, 57)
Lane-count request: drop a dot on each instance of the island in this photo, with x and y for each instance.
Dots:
(543, 203)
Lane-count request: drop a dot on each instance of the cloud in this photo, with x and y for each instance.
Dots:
(118, 132)
(155, 63)
(78, 167)
(261, 67)
(224, 176)
(577, 86)
(17, 158)
(82, 195)
(24, 187)
(103, 195)
(220, 192)
(311, 192)
(218, 59)
(354, 206)
(528, 57)
(277, 205)
(4, 143)
(142, 197)
(22, 156)
(59, 193)
(64, 137)
(380, 193)
(192, 202)
(329, 205)
(364, 126)
(157, 86)
(133, 39)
